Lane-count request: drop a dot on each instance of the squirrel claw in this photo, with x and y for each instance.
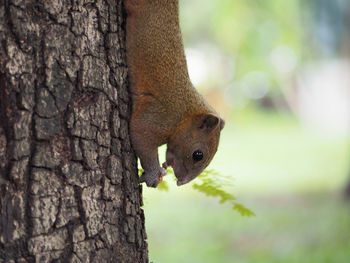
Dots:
(153, 178)
(165, 165)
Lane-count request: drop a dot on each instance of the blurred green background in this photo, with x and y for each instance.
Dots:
(278, 71)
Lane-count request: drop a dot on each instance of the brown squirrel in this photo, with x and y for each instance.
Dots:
(167, 109)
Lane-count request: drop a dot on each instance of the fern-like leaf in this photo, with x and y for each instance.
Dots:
(243, 210)
(211, 184)
(214, 187)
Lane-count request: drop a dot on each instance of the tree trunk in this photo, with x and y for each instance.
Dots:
(68, 176)
(347, 189)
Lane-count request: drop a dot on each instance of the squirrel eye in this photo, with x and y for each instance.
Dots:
(197, 155)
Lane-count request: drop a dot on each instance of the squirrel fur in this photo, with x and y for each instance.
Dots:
(167, 109)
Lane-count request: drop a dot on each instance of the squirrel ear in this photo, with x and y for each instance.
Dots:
(209, 122)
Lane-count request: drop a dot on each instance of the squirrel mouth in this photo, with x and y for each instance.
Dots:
(171, 163)
(180, 170)
(170, 159)
(166, 164)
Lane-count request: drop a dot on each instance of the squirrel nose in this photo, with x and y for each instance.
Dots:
(178, 183)
(183, 181)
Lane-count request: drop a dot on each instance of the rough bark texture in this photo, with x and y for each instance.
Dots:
(68, 184)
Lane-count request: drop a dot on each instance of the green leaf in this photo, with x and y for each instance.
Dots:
(243, 210)
(163, 186)
(141, 171)
(212, 185)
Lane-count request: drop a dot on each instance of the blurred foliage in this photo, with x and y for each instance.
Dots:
(302, 228)
(246, 31)
(256, 50)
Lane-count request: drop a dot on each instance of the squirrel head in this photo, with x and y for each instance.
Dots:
(191, 149)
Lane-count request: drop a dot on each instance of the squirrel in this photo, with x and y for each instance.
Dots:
(166, 108)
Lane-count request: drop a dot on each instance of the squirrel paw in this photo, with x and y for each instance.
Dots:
(152, 178)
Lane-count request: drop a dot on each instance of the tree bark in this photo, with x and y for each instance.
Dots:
(347, 189)
(69, 188)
